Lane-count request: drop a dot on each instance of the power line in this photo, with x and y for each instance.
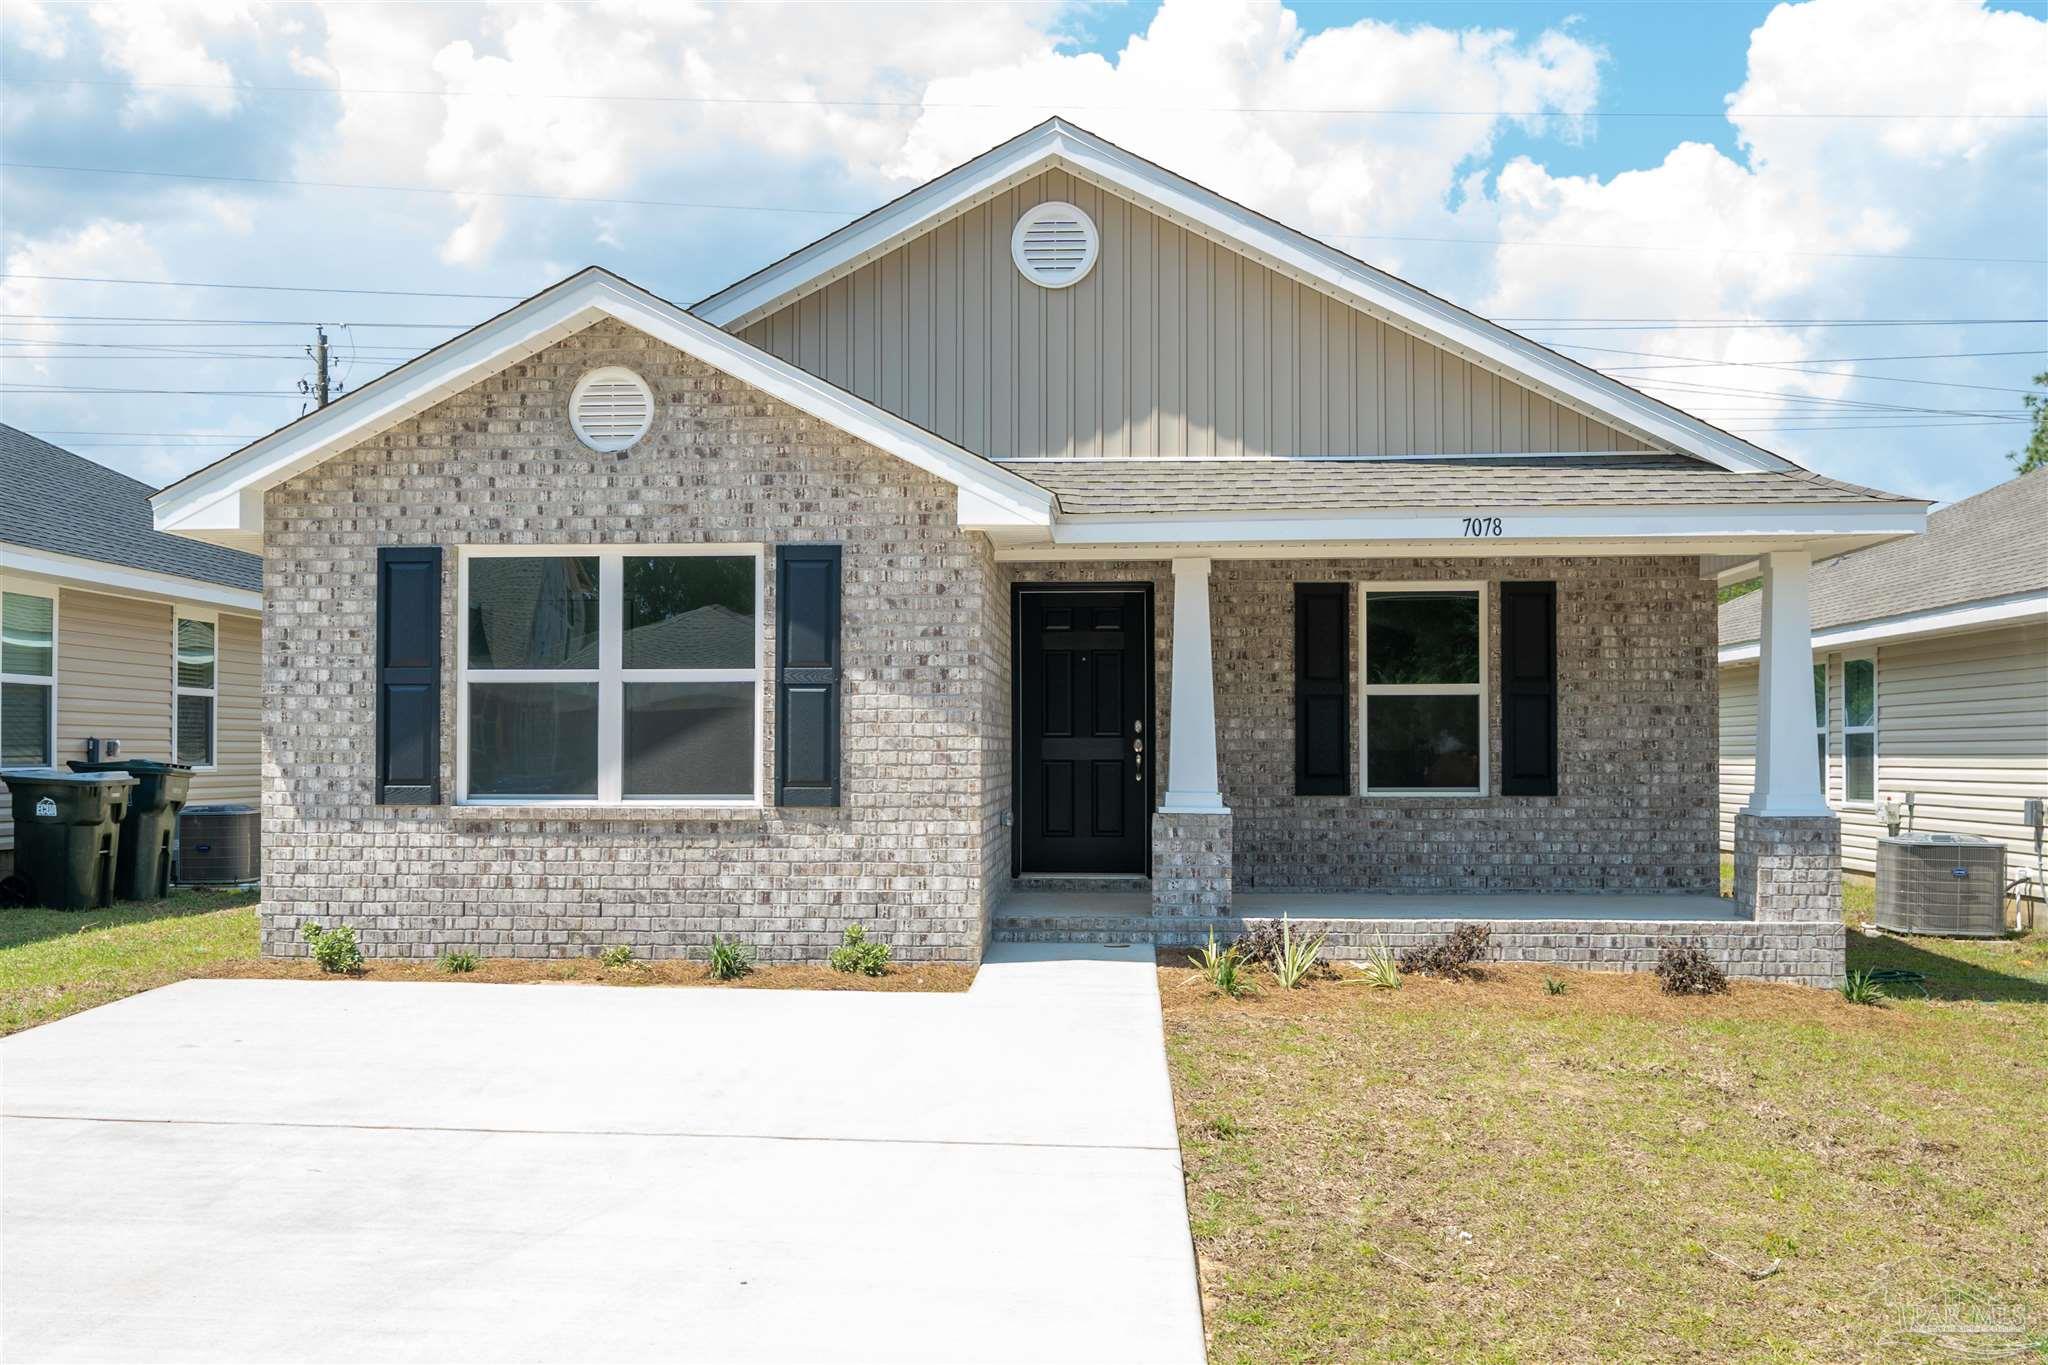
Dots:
(817, 102)
(160, 320)
(1682, 249)
(1788, 360)
(267, 288)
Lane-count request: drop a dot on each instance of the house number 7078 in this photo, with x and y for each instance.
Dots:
(1482, 526)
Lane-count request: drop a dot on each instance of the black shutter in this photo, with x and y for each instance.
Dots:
(1322, 689)
(807, 675)
(409, 675)
(1528, 689)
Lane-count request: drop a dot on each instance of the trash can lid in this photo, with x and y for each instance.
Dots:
(131, 765)
(12, 775)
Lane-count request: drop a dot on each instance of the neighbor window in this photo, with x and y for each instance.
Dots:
(1859, 731)
(28, 679)
(1424, 693)
(612, 675)
(1820, 720)
(194, 690)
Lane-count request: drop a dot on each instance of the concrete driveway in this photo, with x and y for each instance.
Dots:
(270, 1170)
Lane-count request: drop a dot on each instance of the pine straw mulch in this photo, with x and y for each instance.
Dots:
(779, 976)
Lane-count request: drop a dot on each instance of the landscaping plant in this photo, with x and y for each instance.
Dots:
(456, 961)
(1298, 957)
(618, 955)
(1223, 968)
(1685, 969)
(334, 949)
(859, 953)
(1862, 988)
(1259, 945)
(730, 959)
(1452, 956)
(1554, 985)
(1382, 971)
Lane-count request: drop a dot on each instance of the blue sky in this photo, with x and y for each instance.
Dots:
(1730, 229)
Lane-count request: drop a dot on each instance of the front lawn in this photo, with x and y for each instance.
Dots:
(58, 962)
(1487, 1171)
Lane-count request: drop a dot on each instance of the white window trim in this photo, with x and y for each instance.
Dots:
(212, 694)
(55, 597)
(1868, 656)
(610, 675)
(1480, 689)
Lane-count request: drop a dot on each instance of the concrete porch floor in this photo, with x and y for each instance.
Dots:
(1306, 905)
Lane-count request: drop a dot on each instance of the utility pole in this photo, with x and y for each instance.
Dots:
(318, 385)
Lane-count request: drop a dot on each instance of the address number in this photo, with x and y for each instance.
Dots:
(1482, 526)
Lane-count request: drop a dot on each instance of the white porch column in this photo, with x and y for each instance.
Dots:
(1787, 769)
(1191, 760)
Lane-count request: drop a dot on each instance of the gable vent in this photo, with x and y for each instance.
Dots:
(1054, 245)
(611, 408)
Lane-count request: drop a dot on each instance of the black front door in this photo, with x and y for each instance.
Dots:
(1083, 732)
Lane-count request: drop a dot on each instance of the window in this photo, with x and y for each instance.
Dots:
(1424, 698)
(28, 679)
(1859, 731)
(1820, 720)
(194, 690)
(611, 675)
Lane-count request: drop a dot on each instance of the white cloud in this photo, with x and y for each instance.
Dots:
(165, 47)
(35, 29)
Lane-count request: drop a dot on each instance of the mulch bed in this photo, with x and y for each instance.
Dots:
(806, 976)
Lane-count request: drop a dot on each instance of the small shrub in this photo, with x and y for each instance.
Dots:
(1451, 956)
(1862, 988)
(1259, 945)
(730, 959)
(1553, 985)
(1300, 956)
(457, 962)
(1382, 970)
(1223, 968)
(1685, 969)
(334, 949)
(618, 955)
(859, 953)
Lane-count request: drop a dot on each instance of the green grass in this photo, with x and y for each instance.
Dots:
(1489, 1172)
(58, 962)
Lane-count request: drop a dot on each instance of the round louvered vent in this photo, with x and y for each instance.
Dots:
(1054, 245)
(611, 408)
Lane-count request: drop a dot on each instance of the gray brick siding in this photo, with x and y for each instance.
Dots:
(925, 752)
(1788, 867)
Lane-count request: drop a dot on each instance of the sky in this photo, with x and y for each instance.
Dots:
(1822, 225)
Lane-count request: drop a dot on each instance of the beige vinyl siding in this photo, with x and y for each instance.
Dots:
(114, 664)
(1962, 724)
(238, 714)
(1172, 345)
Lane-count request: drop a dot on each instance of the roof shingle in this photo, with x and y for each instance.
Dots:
(68, 505)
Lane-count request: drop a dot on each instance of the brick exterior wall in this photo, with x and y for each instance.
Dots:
(1788, 867)
(925, 744)
(1191, 857)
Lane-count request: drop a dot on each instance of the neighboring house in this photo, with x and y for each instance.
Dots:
(1117, 563)
(111, 629)
(1930, 679)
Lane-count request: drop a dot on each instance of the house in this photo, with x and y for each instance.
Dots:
(1930, 680)
(1115, 563)
(114, 630)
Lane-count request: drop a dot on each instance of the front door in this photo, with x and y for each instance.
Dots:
(1084, 661)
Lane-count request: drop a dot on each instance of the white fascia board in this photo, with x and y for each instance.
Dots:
(1642, 524)
(91, 574)
(1057, 143)
(1981, 615)
(227, 497)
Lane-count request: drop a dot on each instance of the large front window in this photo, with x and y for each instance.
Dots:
(28, 679)
(1424, 692)
(611, 675)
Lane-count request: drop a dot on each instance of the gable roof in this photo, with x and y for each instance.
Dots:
(224, 501)
(65, 504)
(1058, 143)
(1981, 549)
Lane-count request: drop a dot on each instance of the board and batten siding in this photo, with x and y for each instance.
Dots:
(114, 669)
(1962, 724)
(1172, 345)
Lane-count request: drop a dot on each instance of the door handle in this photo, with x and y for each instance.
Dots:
(1137, 746)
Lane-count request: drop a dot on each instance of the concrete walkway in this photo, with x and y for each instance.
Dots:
(268, 1170)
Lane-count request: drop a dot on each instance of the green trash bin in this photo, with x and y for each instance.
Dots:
(67, 833)
(143, 872)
